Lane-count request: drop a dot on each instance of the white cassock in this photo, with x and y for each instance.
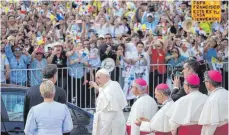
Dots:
(159, 122)
(186, 110)
(109, 118)
(144, 106)
(215, 111)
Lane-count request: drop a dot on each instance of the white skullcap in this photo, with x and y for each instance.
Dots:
(103, 71)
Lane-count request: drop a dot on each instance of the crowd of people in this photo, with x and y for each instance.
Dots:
(140, 36)
(147, 40)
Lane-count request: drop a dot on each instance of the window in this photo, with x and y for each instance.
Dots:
(14, 103)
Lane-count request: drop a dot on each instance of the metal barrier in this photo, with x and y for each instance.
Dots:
(75, 82)
(25, 77)
(79, 93)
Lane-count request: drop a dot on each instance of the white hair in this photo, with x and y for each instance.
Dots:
(47, 89)
(103, 71)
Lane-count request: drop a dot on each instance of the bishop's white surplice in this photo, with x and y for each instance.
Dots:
(109, 118)
(159, 122)
(186, 110)
(144, 106)
(215, 111)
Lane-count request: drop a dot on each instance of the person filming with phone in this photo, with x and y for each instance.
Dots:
(190, 66)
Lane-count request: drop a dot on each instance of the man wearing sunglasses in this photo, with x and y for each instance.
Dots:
(18, 59)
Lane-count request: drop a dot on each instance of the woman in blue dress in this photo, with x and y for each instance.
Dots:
(49, 117)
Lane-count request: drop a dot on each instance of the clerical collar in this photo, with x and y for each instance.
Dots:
(106, 84)
(166, 101)
(141, 96)
(217, 89)
(194, 90)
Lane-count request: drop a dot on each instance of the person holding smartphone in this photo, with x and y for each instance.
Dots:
(18, 59)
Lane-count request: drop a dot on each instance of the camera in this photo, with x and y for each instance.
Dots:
(151, 9)
(177, 71)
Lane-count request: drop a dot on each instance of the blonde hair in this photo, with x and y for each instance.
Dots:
(47, 89)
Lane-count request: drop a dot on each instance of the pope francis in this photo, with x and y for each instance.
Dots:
(109, 118)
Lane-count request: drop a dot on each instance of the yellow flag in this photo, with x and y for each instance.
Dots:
(52, 17)
(144, 27)
(214, 60)
(40, 42)
(68, 5)
(205, 26)
(7, 9)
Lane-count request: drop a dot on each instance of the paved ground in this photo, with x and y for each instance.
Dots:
(126, 114)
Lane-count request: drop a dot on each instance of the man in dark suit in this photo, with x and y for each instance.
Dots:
(33, 96)
(190, 66)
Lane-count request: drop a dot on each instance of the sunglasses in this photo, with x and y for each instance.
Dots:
(18, 49)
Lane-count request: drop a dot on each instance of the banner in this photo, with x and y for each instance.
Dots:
(206, 11)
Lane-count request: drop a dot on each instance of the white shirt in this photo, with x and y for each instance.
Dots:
(131, 47)
(159, 122)
(105, 29)
(193, 52)
(144, 106)
(186, 53)
(116, 31)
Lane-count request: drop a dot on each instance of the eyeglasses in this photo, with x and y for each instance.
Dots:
(18, 49)
(133, 87)
(205, 81)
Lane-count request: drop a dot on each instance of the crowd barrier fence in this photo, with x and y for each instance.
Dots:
(76, 82)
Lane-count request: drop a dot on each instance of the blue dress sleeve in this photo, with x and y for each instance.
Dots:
(8, 51)
(31, 124)
(144, 18)
(67, 123)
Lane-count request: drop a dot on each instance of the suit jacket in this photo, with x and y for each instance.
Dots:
(33, 97)
(179, 92)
